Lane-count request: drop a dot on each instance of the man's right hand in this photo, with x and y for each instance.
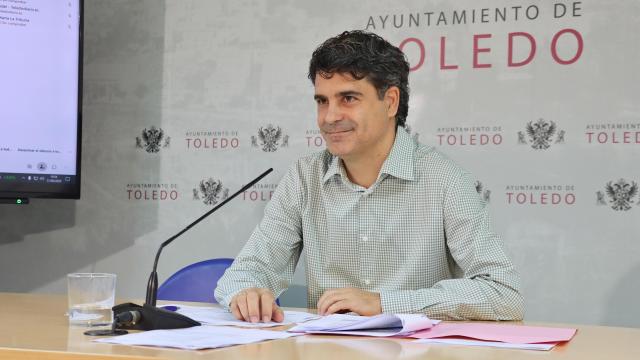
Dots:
(255, 305)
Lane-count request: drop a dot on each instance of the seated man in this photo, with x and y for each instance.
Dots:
(386, 224)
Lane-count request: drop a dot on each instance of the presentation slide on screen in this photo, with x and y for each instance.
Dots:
(39, 86)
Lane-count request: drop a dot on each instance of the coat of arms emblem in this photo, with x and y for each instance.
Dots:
(414, 135)
(269, 138)
(151, 140)
(210, 191)
(541, 134)
(621, 194)
(485, 194)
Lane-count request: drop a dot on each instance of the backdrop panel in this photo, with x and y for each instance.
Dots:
(537, 98)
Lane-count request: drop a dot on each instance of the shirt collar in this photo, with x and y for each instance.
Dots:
(333, 169)
(399, 162)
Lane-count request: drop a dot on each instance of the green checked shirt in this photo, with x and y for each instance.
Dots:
(420, 236)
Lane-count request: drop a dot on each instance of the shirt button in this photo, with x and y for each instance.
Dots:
(365, 239)
(367, 281)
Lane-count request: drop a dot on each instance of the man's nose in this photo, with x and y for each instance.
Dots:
(333, 114)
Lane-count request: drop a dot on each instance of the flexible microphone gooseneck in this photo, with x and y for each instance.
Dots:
(148, 316)
(152, 284)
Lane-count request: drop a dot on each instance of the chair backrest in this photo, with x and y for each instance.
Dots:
(195, 282)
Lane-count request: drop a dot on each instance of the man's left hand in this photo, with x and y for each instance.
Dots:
(349, 300)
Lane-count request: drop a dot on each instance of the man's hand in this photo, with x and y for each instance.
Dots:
(349, 299)
(255, 305)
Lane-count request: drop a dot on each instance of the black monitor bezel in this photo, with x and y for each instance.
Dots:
(57, 191)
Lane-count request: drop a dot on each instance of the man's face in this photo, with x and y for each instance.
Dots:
(354, 122)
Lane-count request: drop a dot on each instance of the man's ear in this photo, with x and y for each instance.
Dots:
(392, 98)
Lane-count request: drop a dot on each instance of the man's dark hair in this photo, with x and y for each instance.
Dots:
(365, 55)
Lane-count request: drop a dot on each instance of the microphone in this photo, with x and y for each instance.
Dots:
(148, 316)
(124, 318)
(152, 284)
(130, 317)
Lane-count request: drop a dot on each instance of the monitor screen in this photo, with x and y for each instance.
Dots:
(40, 98)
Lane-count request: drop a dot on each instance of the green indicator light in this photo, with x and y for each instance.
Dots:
(19, 201)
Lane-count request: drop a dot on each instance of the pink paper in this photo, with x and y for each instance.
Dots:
(515, 334)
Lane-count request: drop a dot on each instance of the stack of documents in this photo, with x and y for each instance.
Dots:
(208, 315)
(198, 337)
(379, 325)
(208, 336)
(416, 326)
(495, 335)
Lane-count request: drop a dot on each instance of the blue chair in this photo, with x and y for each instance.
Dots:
(195, 282)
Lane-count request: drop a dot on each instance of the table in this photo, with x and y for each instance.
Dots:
(33, 326)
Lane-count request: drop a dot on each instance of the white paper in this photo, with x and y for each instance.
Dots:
(543, 347)
(379, 325)
(219, 316)
(197, 337)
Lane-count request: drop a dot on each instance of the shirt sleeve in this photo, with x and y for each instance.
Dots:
(269, 257)
(487, 286)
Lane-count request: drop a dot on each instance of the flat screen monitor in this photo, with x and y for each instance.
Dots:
(40, 98)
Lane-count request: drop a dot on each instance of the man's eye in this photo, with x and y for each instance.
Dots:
(349, 99)
(321, 101)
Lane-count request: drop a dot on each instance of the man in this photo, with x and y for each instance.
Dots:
(386, 224)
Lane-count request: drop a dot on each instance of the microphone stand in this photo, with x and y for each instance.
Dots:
(152, 284)
(148, 316)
